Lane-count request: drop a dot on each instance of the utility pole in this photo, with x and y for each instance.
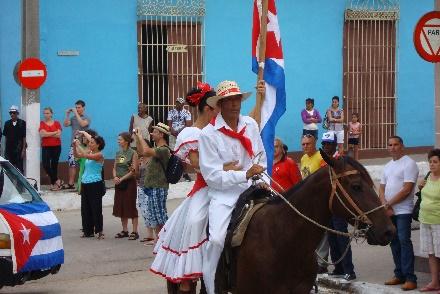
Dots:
(30, 47)
(437, 93)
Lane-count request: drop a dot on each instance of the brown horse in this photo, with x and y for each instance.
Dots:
(277, 255)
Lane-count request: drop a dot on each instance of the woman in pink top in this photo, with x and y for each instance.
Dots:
(354, 134)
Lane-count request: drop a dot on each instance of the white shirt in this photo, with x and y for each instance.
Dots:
(178, 118)
(395, 174)
(215, 149)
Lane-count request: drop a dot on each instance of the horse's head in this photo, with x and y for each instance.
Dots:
(354, 197)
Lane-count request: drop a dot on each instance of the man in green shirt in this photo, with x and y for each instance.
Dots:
(155, 182)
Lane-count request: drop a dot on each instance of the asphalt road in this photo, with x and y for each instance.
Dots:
(121, 266)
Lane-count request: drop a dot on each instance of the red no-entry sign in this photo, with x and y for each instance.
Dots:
(32, 73)
(427, 36)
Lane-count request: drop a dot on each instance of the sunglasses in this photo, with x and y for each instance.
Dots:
(12, 112)
(308, 136)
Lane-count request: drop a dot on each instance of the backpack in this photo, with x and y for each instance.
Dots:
(325, 122)
(174, 169)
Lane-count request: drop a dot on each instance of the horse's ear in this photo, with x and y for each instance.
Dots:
(328, 159)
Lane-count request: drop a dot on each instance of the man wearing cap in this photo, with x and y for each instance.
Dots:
(230, 137)
(15, 134)
(155, 182)
(338, 244)
(178, 119)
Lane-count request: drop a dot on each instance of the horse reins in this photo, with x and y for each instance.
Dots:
(335, 184)
(334, 181)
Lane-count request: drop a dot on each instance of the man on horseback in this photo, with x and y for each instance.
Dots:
(230, 137)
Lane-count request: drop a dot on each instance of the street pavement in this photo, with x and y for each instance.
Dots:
(121, 266)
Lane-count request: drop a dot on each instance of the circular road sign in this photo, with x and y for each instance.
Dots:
(427, 36)
(32, 73)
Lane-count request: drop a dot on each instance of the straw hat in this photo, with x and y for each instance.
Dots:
(224, 90)
(161, 127)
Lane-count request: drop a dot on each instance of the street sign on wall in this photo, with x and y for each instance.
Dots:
(427, 36)
(32, 73)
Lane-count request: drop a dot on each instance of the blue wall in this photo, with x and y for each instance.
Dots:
(10, 54)
(104, 74)
(312, 33)
(415, 84)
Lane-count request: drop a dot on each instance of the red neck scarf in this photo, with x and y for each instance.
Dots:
(245, 141)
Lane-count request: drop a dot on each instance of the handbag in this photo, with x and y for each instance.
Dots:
(102, 189)
(416, 209)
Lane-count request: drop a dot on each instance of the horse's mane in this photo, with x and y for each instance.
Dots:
(358, 166)
(347, 160)
(296, 187)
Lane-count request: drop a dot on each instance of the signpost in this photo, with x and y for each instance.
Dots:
(427, 36)
(32, 73)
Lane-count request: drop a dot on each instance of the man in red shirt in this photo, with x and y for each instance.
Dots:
(285, 171)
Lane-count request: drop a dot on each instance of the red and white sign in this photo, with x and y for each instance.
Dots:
(427, 36)
(32, 73)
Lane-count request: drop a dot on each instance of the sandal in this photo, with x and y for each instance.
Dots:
(146, 239)
(87, 235)
(133, 236)
(68, 187)
(100, 236)
(122, 234)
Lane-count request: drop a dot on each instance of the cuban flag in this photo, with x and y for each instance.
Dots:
(35, 236)
(274, 104)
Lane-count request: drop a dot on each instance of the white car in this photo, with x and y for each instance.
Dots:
(31, 246)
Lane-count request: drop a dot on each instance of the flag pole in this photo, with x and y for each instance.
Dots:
(261, 59)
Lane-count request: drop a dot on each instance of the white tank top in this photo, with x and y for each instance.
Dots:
(142, 124)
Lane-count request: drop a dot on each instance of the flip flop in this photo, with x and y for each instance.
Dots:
(68, 187)
(146, 239)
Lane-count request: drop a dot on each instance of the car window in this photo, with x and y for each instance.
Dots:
(14, 188)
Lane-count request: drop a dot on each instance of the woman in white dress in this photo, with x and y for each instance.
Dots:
(180, 244)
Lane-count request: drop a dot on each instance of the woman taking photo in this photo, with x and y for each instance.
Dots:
(50, 133)
(124, 177)
(429, 217)
(92, 188)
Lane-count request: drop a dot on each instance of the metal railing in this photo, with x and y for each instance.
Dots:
(370, 68)
(170, 52)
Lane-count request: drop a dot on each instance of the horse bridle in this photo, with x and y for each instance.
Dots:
(334, 181)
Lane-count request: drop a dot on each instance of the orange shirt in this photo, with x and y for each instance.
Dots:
(286, 173)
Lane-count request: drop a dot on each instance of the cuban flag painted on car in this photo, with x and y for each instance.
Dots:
(274, 104)
(35, 232)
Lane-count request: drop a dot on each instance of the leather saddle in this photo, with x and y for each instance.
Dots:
(249, 202)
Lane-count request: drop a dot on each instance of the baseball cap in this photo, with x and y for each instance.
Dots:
(328, 137)
(180, 100)
(13, 108)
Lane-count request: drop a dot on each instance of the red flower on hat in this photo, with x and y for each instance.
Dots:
(196, 97)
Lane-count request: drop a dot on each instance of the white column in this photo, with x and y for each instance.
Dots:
(30, 47)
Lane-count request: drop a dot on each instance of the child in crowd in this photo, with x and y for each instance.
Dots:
(354, 134)
(143, 200)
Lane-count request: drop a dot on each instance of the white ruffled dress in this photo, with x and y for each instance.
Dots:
(182, 239)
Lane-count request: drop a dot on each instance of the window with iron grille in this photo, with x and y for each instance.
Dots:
(370, 69)
(170, 52)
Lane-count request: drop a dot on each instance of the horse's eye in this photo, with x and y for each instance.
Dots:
(356, 187)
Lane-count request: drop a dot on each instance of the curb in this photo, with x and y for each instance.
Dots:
(358, 287)
(61, 201)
